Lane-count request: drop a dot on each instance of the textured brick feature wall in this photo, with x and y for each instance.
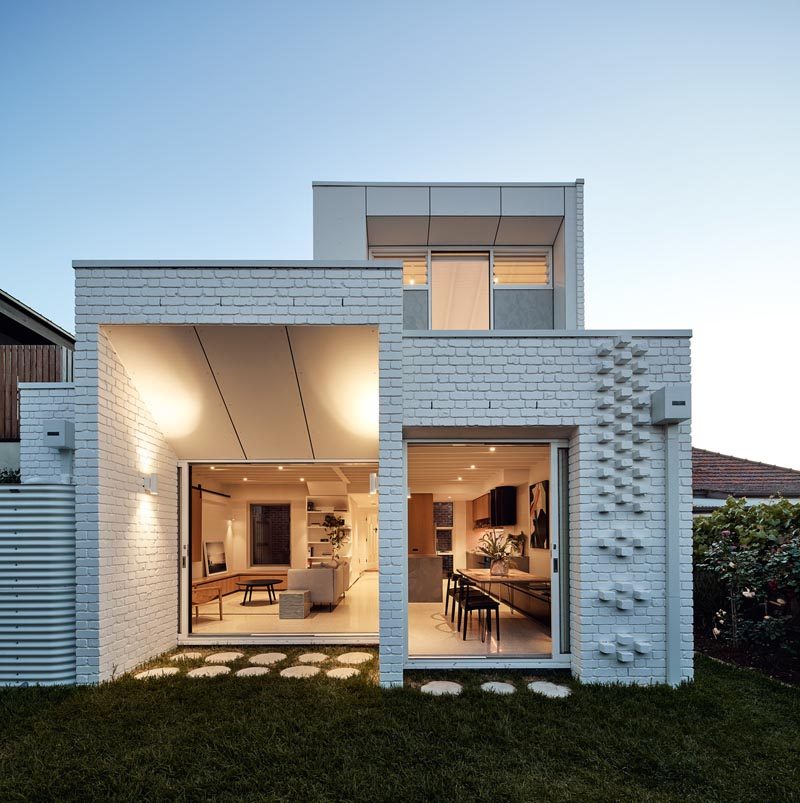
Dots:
(119, 622)
(40, 403)
(599, 386)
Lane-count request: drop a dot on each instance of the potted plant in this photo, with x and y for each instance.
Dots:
(336, 532)
(499, 547)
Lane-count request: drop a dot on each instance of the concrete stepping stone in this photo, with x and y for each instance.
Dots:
(300, 671)
(186, 656)
(267, 658)
(354, 658)
(549, 689)
(252, 671)
(441, 687)
(208, 671)
(497, 687)
(159, 672)
(312, 658)
(342, 672)
(223, 657)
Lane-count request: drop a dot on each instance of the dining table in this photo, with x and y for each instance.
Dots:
(515, 577)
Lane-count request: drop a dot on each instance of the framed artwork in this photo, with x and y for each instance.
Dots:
(216, 562)
(539, 495)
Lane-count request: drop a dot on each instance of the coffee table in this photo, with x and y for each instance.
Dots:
(249, 585)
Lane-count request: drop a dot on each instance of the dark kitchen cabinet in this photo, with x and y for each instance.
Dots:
(498, 508)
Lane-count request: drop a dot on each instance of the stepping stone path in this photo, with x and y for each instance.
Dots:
(223, 657)
(354, 658)
(186, 656)
(441, 687)
(208, 671)
(252, 671)
(549, 689)
(299, 671)
(159, 672)
(342, 672)
(267, 658)
(496, 687)
(312, 658)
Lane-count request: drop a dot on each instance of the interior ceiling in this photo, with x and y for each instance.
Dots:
(257, 392)
(443, 230)
(355, 476)
(436, 468)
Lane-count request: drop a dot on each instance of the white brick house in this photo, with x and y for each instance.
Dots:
(401, 262)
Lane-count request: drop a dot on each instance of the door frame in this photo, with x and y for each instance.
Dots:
(556, 659)
(184, 635)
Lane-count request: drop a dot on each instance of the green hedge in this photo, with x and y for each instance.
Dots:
(747, 575)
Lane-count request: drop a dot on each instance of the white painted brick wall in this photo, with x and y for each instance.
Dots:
(133, 612)
(546, 382)
(40, 402)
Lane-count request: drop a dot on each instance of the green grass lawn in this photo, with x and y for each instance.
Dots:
(732, 735)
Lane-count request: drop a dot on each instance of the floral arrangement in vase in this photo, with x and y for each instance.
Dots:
(499, 547)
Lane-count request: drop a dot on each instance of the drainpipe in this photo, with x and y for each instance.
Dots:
(673, 554)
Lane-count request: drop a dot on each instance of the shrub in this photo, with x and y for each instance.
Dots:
(747, 562)
(9, 476)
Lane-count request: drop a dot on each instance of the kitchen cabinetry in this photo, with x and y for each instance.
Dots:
(421, 540)
(498, 508)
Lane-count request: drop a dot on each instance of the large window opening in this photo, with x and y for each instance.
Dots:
(285, 550)
(483, 541)
(459, 289)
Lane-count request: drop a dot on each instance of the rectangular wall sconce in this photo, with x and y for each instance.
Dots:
(150, 484)
(373, 483)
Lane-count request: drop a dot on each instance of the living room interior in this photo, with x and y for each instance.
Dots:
(284, 549)
(465, 499)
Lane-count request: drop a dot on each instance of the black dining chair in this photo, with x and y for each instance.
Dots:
(463, 587)
(484, 605)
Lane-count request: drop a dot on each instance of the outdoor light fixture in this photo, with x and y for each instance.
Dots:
(373, 483)
(244, 479)
(460, 479)
(408, 493)
(472, 466)
(280, 468)
(302, 479)
(213, 468)
(492, 448)
(150, 484)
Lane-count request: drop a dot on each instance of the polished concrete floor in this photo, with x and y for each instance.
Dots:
(431, 634)
(356, 613)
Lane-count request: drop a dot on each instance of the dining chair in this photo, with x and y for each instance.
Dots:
(485, 605)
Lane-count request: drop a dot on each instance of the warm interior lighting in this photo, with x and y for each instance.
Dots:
(213, 468)
(460, 479)
(280, 468)
(302, 479)
(460, 291)
(472, 466)
(244, 479)
(521, 269)
(492, 448)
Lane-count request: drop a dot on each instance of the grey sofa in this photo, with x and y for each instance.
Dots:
(326, 584)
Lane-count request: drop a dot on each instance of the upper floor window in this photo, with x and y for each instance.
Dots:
(473, 289)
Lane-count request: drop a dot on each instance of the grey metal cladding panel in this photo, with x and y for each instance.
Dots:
(37, 584)
(388, 201)
(462, 230)
(533, 201)
(527, 230)
(523, 309)
(401, 230)
(415, 309)
(339, 227)
(457, 201)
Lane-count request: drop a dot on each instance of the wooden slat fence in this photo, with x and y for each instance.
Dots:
(27, 364)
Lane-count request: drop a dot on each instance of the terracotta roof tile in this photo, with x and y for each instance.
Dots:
(722, 475)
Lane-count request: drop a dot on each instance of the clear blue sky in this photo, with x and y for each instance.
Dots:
(194, 130)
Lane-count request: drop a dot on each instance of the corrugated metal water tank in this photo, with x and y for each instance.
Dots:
(37, 584)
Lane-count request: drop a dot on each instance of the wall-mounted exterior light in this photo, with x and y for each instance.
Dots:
(373, 483)
(150, 484)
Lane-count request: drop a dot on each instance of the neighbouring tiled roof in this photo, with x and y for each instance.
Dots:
(720, 475)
